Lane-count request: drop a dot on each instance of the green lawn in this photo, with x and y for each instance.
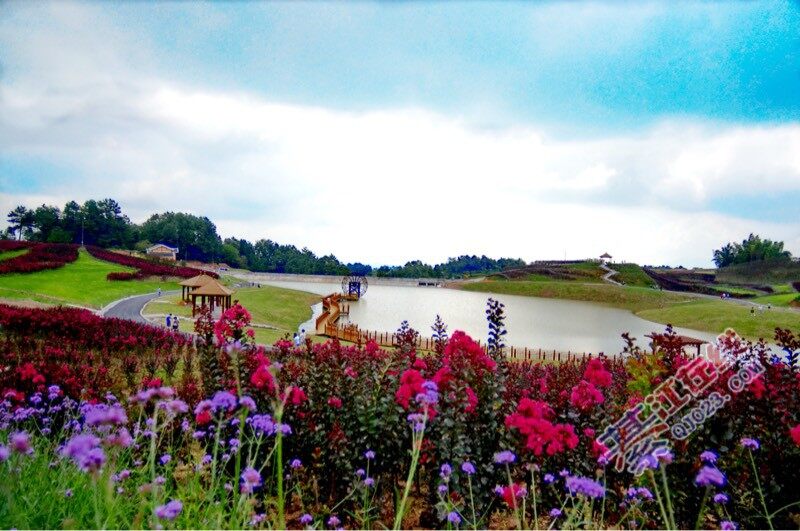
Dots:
(12, 254)
(662, 307)
(82, 282)
(632, 275)
(284, 309)
(778, 299)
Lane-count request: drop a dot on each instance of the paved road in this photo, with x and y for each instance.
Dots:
(131, 308)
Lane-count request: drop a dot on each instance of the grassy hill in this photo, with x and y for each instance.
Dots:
(82, 282)
(762, 272)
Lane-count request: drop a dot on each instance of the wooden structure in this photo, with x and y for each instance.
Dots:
(684, 341)
(162, 251)
(605, 258)
(190, 284)
(213, 294)
(354, 287)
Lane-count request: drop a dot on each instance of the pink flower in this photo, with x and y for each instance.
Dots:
(585, 396)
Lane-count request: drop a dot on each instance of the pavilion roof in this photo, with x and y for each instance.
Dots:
(605, 255)
(195, 282)
(684, 340)
(212, 288)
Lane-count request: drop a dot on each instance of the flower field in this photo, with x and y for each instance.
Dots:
(107, 423)
(39, 256)
(145, 268)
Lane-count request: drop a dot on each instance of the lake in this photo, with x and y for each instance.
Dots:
(551, 324)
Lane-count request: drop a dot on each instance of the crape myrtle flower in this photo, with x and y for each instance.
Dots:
(505, 457)
(468, 468)
(709, 476)
(751, 444)
(585, 486)
(170, 510)
(708, 457)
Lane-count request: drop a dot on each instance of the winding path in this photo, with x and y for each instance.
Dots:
(130, 308)
(609, 273)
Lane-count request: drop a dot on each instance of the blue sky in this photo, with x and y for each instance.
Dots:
(685, 114)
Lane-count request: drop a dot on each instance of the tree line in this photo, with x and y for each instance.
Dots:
(752, 249)
(102, 223)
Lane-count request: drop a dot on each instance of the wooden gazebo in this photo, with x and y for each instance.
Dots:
(190, 284)
(684, 341)
(213, 294)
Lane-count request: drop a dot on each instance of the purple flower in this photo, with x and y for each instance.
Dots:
(370, 455)
(555, 513)
(68, 493)
(369, 482)
(505, 457)
(164, 459)
(498, 490)
(360, 472)
(247, 403)
(549, 478)
(262, 424)
(430, 396)
(709, 476)
(295, 463)
(170, 510)
(468, 468)
(203, 406)
(727, 525)
(250, 479)
(20, 442)
(648, 461)
(445, 471)
(333, 521)
(708, 457)
(4, 453)
(453, 518)
(85, 452)
(442, 489)
(175, 407)
(285, 429)
(306, 519)
(751, 444)
(585, 486)
(223, 400)
(721, 498)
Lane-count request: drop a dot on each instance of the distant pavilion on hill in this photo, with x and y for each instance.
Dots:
(213, 294)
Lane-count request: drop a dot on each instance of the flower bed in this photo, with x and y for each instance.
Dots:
(145, 268)
(361, 437)
(40, 256)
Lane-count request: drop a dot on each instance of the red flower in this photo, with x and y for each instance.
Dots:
(472, 400)
(795, 433)
(419, 364)
(410, 386)
(585, 396)
(203, 418)
(532, 420)
(511, 492)
(463, 351)
(596, 373)
(296, 396)
(757, 386)
(262, 378)
(335, 402)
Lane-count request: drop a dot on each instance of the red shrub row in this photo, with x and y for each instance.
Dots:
(122, 275)
(145, 268)
(13, 245)
(40, 256)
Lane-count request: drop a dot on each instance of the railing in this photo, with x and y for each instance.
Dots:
(353, 334)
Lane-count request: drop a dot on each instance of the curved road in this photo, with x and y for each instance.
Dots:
(131, 307)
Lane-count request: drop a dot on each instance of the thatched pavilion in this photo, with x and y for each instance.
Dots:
(190, 284)
(213, 294)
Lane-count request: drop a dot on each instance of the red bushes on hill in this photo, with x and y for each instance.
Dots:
(145, 268)
(40, 256)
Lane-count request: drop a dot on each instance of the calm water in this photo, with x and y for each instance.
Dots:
(531, 322)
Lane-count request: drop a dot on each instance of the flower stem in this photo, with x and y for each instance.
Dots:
(760, 491)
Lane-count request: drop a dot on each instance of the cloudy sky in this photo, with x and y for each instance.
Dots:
(386, 132)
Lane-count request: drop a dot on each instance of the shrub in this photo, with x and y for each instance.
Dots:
(123, 275)
(40, 256)
(145, 267)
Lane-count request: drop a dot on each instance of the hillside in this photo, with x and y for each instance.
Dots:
(760, 272)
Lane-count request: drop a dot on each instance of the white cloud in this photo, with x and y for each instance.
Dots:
(381, 186)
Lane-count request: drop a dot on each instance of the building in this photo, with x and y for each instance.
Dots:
(605, 258)
(162, 251)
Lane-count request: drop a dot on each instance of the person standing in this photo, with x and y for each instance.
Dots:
(158, 291)
(175, 323)
(303, 336)
(169, 320)
(296, 339)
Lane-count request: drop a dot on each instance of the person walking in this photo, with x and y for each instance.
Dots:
(175, 323)
(169, 320)
(158, 291)
(296, 339)
(303, 336)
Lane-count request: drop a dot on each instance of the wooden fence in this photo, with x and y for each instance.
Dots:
(353, 334)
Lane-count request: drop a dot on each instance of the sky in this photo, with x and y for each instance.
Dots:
(386, 132)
